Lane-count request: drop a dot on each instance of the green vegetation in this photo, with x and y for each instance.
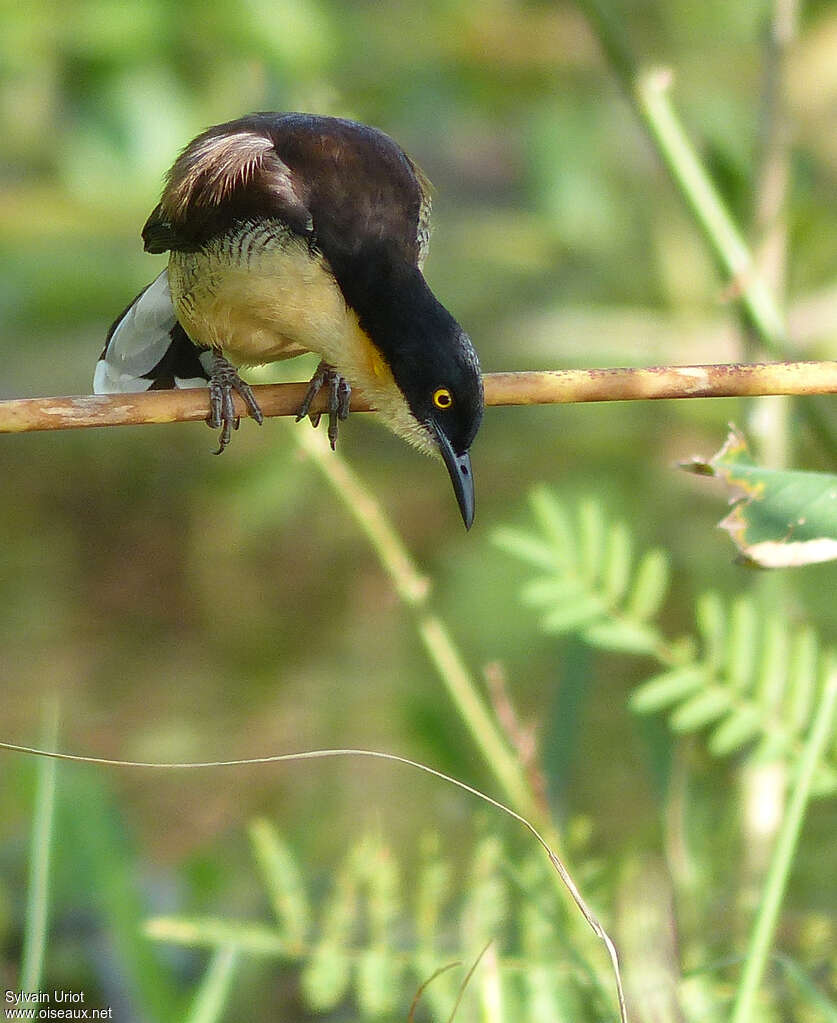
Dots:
(185, 608)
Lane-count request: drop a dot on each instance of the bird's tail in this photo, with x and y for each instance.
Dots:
(147, 349)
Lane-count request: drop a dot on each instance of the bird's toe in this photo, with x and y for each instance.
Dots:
(339, 397)
(224, 381)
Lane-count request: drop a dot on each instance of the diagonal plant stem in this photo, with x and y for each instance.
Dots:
(414, 590)
(709, 210)
(761, 937)
(648, 93)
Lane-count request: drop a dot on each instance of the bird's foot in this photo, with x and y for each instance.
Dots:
(223, 380)
(339, 396)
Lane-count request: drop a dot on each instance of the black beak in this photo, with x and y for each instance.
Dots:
(459, 468)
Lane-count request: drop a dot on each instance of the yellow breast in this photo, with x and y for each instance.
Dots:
(262, 295)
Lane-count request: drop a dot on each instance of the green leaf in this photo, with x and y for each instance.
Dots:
(622, 637)
(743, 643)
(712, 625)
(802, 679)
(742, 726)
(773, 670)
(700, 710)
(669, 688)
(383, 892)
(555, 524)
(432, 890)
(554, 590)
(616, 570)
(327, 975)
(591, 540)
(214, 992)
(650, 586)
(780, 518)
(325, 979)
(282, 879)
(526, 547)
(772, 747)
(378, 982)
(573, 614)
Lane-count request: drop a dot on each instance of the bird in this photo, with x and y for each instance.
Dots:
(293, 233)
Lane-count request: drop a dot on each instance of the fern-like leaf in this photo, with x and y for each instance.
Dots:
(753, 682)
(590, 582)
(367, 945)
(747, 679)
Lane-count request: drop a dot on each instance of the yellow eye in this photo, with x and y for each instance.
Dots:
(442, 398)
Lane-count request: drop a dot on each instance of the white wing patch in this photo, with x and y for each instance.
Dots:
(138, 342)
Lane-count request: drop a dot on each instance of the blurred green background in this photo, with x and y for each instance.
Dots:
(186, 607)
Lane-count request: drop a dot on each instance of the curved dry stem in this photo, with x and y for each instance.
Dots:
(322, 754)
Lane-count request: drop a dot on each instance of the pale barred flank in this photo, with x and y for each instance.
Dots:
(211, 168)
(425, 209)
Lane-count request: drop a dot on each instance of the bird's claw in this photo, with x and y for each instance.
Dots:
(339, 398)
(223, 380)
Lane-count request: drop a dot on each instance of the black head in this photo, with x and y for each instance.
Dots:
(445, 396)
(431, 357)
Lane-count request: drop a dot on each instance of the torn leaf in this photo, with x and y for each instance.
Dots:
(779, 518)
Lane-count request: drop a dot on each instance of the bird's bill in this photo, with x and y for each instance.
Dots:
(459, 469)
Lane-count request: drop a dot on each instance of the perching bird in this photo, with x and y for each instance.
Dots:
(293, 233)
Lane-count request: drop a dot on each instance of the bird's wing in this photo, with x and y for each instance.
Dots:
(220, 178)
(343, 186)
(147, 349)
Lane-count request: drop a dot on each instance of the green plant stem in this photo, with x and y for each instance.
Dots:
(37, 889)
(709, 210)
(465, 694)
(414, 590)
(769, 425)
(648, 93)
(211, 1001)
(761, 937)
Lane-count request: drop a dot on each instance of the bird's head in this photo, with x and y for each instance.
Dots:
(445, 395)
(431, 358)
